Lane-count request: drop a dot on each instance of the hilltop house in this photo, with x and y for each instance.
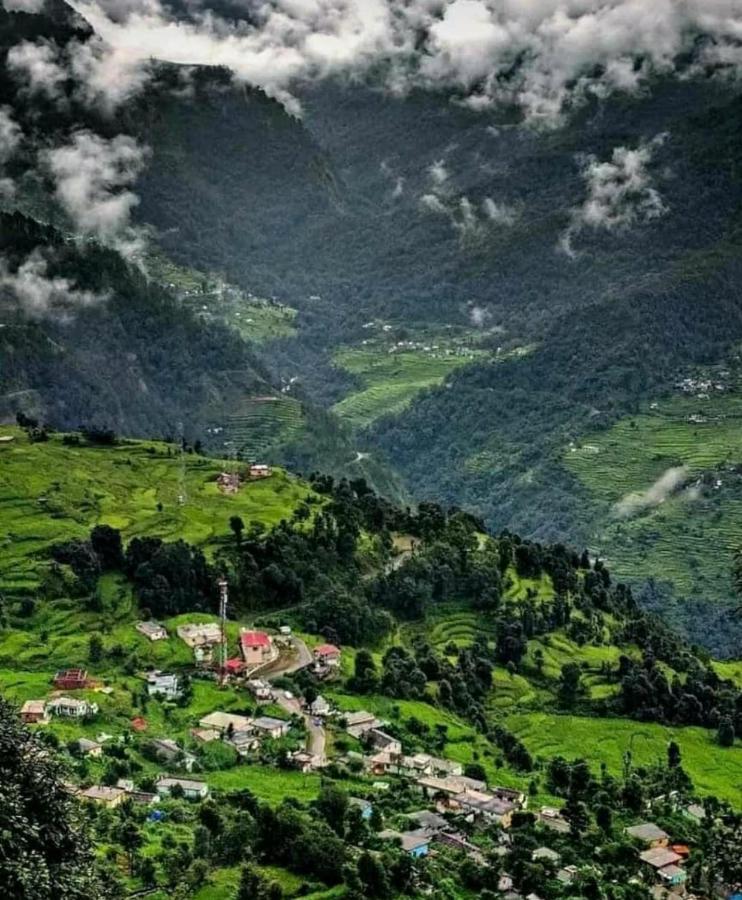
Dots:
(169, 751)
(34, 712)
(71, 707)
(160, 684)
(449, 786)
(270, 727)
(356, 723)
(200, 635)
(192, 790)
(86, 747)
(319, 707)
(649, 834)
(107, 796)
(380, 740)
(414, 843)
(260, 470)
(257, 648)
(326, 656)
(71, 679)
(304, 761)
(152, 630)
(260, 690)
(224, 722)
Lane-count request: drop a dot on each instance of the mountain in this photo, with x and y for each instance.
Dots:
(480, 303)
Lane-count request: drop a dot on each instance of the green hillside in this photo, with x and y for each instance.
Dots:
(667, 534)
(52, 492)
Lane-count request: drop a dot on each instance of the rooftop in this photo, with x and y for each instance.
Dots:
(255, 639)
(659, 857)
(647, 831)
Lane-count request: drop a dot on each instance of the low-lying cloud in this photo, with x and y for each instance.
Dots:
(620, 192)
(640, 501)
(543, 55)
(92, 176)
(40, 296)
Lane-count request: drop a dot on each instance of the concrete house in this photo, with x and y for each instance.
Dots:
(270, 727)
(34, 712)
(649, 834)
(380, 740)
(72, 708)
(261, 690)
(414, 843)
(161, 684)
(304, 761)
(152, 630)
(192, 790)
(659, 857)
(260, 470)
(223, 722)
(200, 635)
(319, 707)
(359, 722)
(257, 648)
(106, 796)
(327, 655)
(89, 748)
(169, 750)
(71, 679)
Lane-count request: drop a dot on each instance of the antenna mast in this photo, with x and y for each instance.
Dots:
(182, 489)
(223, 600)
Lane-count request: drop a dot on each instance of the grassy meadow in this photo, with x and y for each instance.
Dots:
(50, 492)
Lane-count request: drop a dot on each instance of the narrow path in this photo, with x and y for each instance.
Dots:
(316, 738)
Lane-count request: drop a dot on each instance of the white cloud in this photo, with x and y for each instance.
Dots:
(27, 6)
(106, 76)
(498, 213)
(541, 54)
(433, 204)
(640, 501)
(36, 65)
(438, 174)
(10, 135)
(620, 192)
(92, 177)
(38, 295)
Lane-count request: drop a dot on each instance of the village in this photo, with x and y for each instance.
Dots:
(451, 809)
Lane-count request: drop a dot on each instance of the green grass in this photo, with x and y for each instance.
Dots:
(730, 670)
(390, 380)
(670, 540)
(714, 769)
(50, 492)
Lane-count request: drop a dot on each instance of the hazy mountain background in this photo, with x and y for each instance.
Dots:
(582, 266)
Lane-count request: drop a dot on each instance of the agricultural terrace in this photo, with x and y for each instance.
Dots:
(51, 492)
(393, 366)
(211, 298)
(667, 490)
(263, 422)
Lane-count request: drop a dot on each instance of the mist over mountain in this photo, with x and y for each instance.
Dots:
(558, 191)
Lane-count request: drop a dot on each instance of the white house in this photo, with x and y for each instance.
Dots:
(319, 707)
(270, 727)
(152, 630)
(161, 684)
(71, 707)
(200, 635)
(192, 790)
(223, 722)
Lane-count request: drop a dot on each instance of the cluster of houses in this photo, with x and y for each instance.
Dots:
(39, 712)
(659, 857)
(166, 785)
(244, 733)
(230, 482)
(441, 780)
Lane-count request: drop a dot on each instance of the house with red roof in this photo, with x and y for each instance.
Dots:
(257, 648)
(327, 655)
(234, 666)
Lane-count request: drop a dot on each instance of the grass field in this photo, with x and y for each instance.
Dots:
(50, 492)
(714, 769)
(668, 539)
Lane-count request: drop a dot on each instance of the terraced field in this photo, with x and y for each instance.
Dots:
(652, 521)
(51, 492)
(390, 380)
(262, 423)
